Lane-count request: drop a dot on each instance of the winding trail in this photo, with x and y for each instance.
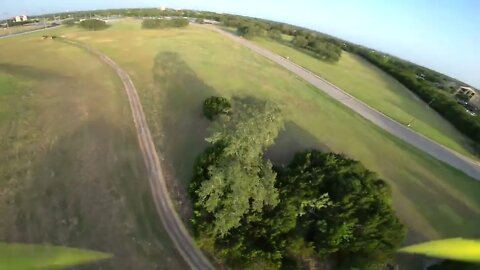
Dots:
(440, 152)
(165, 208)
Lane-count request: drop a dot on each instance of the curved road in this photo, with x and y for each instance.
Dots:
(165, 208)
(454, 159)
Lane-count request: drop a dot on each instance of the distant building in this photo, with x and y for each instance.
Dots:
(472, 95)
(163, 8)
(20, 18)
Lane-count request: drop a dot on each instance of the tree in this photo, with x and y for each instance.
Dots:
(239, 181)
(357, 224)
(249, 30)
(199, 20)
(275, 34)
(213, 106)
(93, 24)
(300, 41)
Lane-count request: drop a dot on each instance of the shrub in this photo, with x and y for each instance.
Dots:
(214, 106)
(93, 24)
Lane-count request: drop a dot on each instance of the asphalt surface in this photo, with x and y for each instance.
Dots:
(454, 159)
(164, 205)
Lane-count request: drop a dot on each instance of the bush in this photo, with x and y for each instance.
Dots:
(164, 23)
(214, 106)
(93, 24)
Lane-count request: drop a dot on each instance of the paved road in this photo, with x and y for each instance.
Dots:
(456, 160)
(165, 208)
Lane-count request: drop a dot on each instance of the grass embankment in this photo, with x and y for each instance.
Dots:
(379, 90)
(70, 168)
(175, 70)
(19, 29)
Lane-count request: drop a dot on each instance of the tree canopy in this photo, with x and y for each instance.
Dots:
(93, 24)
(240, 181)
(213, 106)
(323, 206)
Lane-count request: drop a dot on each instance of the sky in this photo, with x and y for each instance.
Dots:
(443, 35)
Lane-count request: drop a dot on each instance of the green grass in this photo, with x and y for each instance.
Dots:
(70, 168)
(27, 256)
(175, 69)
(18, 29)
(377, 89)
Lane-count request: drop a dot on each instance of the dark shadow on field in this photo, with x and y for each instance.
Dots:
(90, 190)
(291, 140)
(29, 72)
(183, 127)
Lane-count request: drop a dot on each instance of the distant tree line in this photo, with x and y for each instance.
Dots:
(322, 207)
(423, 86)
(164, 23)
(318, 45)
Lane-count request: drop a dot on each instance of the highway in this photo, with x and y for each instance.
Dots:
(454, 159)
(172, 223)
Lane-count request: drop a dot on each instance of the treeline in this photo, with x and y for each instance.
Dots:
(323, 207)
(441, 101)
(318, 45)
(164, 23)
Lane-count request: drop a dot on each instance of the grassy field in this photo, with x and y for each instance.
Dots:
(17, 29)
(377, 89)
(70, 169)
(174, 70)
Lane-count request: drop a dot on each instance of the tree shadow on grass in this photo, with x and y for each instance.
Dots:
(291, 140)
(179, 127)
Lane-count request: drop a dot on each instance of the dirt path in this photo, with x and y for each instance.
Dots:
(165, 208)
(454, 159)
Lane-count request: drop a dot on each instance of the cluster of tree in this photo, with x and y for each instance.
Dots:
(93, 24)
(318, 45)
(164, 23)
(321, 47)
(323, 206)
(441, 101)
(214, 106)
(454, 265)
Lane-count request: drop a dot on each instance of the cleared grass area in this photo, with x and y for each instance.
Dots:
(70, 168)
(374, 87)
(175, 69)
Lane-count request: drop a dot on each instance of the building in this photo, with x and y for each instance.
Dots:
(163, 8)
(20, 18)
(472, 95)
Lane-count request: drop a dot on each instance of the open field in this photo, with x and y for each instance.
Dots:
(174, 70)
(371, 85)
(71, 172)
(18, 29)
